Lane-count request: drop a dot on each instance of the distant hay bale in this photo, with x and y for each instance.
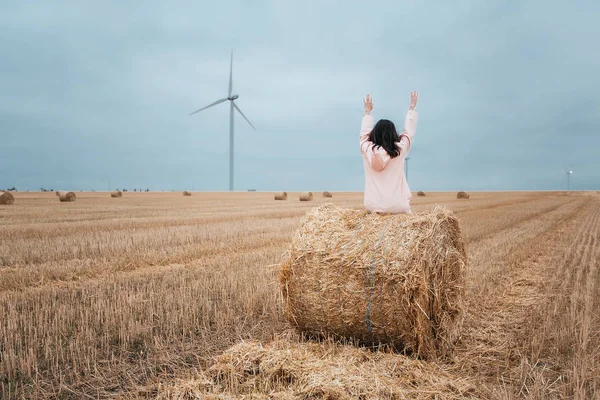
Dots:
(462, 195)
(395, 279)
(421, 194)
(327, 194)
(186, 193)
(284, 369)
(66, 196)
(306, 196)
(116, 193)
(7, 198)
(57, 193)
(281, 196)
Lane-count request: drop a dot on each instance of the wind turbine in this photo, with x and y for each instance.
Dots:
(569, 173)
(232, 105)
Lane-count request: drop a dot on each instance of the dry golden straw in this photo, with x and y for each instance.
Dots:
(285, 369)
(7, 198)
(327, 194)
(306, 196)
(421, 194)
(186, 193)
(396, 279)
(66, 196)
(281, 196)
(116, 193)
(462, 195)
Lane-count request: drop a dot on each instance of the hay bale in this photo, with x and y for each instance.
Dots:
(186, 193)
(396, 279)
(7, 198)
(116, 193)
(306, 196)
(66, 196)
(281, 196)
(57, 193)
(284, 369)
(327, 194)
(462, 195)
(421, 194)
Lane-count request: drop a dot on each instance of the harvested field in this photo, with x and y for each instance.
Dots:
(150, 295)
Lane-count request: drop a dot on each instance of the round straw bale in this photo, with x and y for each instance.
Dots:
(116, 193)
(462, 195)
(186, 193)
(396, 279)
(7, 198)
(306, 196)
(57, 193)
(421, 194)
(66, 196)
(281, 196)
(327, 194)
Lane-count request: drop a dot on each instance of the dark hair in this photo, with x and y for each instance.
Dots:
(384, 134)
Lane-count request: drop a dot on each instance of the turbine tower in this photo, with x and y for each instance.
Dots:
(569, 173)
(231, 97)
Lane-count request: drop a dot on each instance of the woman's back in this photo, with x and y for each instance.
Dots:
(386, 188)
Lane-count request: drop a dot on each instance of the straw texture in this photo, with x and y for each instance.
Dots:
(281, 196)
(286, 369)
(66, 196)
(7, 198)
(396, 279)
(306, 196)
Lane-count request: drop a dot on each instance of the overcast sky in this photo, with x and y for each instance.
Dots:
(92, 93)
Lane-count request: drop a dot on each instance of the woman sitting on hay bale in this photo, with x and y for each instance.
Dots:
(384, 151)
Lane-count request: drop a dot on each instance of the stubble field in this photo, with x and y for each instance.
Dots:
(133, 297)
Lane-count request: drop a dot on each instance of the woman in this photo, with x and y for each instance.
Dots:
(384, 151)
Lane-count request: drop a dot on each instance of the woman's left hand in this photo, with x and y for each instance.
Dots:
(368, 101)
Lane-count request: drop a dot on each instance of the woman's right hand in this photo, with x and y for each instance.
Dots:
(414, 97)
(368, 101)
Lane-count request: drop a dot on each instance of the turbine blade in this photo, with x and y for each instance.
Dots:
(208, 106)
(240, 111)
(231, 74)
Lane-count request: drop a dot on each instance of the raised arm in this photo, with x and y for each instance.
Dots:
(410, 124)
(377, 158)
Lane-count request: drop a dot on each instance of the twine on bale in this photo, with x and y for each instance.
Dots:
(368, 316)
(337, 280)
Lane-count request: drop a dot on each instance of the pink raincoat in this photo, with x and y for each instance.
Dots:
(386, 189)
